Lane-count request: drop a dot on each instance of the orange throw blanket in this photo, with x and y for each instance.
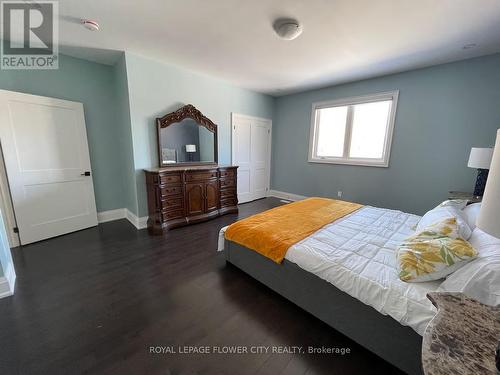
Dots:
(272, 232)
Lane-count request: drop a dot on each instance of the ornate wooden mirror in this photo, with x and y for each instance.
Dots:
(186, 136)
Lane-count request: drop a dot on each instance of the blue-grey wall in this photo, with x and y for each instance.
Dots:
(124, 136)
(93, 85)
(121, 103)
(156, 89)
(442, 112)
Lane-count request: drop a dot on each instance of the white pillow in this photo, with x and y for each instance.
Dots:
(480, 278)
(457, 203)
(443, 212)
(471, 212)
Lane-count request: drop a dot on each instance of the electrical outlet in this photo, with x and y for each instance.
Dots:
(339, 193)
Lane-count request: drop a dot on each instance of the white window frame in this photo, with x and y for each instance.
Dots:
(346, 159)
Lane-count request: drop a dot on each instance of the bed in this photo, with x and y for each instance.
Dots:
(345, 274)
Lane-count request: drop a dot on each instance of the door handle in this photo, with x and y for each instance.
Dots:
(87, 173)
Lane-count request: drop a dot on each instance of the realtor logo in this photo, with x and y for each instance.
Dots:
(29, 35)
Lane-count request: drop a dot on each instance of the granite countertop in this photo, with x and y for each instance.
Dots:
(462, 337)
(179, 168)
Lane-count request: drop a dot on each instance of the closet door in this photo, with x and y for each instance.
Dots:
(44, 145)
(241, 156)
(251, 152)
(260, 146)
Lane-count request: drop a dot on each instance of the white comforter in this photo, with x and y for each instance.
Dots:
(357, 254)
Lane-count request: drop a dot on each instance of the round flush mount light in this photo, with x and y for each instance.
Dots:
(90, 25)
(287, 28)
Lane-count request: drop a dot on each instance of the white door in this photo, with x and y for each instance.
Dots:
(241, 156)
(251, 152)
(45, 150)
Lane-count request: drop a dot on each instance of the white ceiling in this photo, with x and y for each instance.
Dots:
(343, 40)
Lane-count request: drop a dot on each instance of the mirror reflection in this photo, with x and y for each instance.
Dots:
(186, 142)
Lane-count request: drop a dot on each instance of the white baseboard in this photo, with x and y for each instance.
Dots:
(4, 287)
(285, 195)
(10, 275)
(13, 238)
(8, 282)
(123, 213)
(138, 222)
(105, 216)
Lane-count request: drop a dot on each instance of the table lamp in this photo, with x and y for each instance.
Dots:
(480, 158)
(489, 214)
(190, 149)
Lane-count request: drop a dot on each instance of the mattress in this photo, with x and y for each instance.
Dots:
(357, 254)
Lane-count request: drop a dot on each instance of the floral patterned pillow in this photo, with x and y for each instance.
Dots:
(433, 253)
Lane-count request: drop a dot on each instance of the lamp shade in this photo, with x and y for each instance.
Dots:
(489, 214)
(480, 158)
(190, 148)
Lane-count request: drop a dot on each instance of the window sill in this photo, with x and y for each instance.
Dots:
(360, 162)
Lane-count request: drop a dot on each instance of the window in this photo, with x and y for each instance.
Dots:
(353, 131)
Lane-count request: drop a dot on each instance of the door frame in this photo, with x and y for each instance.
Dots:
(235, 116)
(6, 206)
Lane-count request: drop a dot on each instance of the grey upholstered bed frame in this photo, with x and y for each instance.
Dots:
(381, 334)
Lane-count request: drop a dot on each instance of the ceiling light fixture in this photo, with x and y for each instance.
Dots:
(90, 25)
(287, 28)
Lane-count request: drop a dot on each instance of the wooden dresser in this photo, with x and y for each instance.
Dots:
(183, 195)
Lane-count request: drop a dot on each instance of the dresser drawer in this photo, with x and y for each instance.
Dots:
(228, 202)
(174, 178)
(227, 173)
(171, 203)
(171, 190)
(227, 182)
(227, 193)
(169, 215)
(200, 176)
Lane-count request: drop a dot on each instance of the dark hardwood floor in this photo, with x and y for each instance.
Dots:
(95, 301)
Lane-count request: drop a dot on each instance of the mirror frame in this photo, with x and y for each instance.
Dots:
(188, 111)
